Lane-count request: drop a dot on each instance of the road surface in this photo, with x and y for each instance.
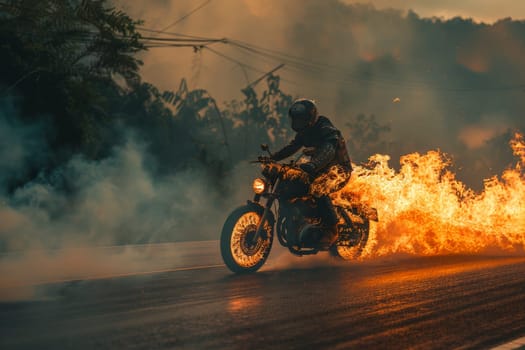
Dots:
(293, 303)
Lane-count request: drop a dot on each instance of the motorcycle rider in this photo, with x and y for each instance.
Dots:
(329, 168)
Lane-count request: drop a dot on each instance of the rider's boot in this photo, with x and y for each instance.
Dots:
(328, 222)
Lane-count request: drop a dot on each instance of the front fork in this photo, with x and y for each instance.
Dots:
(261, 232)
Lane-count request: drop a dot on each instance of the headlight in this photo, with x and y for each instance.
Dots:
(258, 186)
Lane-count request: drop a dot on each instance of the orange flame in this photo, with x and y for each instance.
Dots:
(423, 209)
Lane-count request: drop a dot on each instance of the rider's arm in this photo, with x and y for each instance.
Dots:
(288, 150)
(324, 155)
(326, 152)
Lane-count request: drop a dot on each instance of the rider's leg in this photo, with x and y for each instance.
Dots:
(331, 181)
(328, 219)
(329, 216)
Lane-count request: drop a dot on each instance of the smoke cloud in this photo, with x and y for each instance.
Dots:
(65, 224)
(116, 201)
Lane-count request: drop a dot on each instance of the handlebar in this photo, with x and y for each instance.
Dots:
(274, 169)
(270, 161)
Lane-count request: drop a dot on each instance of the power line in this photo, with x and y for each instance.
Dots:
(320, 67)
(331, 71)
(183, 39)
(317, 68)
(292, 61)
(258, 80)
(186, 16)
(170, 33)
(294, 64)
(152, 42)
(162, 31)
(241, 64)
(160, 46)
(246, 66)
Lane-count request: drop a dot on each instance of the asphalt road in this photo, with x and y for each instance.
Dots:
(420, 303)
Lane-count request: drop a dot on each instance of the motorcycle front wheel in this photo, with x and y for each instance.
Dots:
(241, 252)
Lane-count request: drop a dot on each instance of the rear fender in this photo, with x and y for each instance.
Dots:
(369, 213)
(363, 211)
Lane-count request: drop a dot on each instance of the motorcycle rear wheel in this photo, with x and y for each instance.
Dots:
(240, 251)
(351, 252)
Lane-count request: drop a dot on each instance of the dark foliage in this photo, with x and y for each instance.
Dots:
(72, 65)
(62, 60)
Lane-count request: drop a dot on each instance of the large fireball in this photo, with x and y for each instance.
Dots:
(423, 209)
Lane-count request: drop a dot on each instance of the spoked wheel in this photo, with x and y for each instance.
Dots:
(240, 250)
(351, 244)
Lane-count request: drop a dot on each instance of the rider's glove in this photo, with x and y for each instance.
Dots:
(308, 168)
(309, 151)
(264, 159)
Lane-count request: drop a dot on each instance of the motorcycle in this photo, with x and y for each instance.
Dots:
(248, 232)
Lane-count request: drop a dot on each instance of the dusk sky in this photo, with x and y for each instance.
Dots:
(480, 10)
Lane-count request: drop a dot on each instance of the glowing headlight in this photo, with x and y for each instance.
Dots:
(258, 186)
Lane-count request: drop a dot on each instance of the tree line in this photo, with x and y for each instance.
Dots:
(73, 65)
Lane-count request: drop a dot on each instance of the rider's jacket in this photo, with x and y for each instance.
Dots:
(326, 140)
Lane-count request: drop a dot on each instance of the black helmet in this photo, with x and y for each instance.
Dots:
(303, 113)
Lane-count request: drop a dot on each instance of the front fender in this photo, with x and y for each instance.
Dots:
(258, 208)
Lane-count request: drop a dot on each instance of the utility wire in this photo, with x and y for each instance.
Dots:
(169, 33)
(242, 65)
(293, 64)
(183, 39)
(152, 42)
(163, 30)
(317, 68)
(334, 73)
(303, 63)
(274, 55)
(246, 66)
(185, 16)
(291, 60)
(330, 71)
